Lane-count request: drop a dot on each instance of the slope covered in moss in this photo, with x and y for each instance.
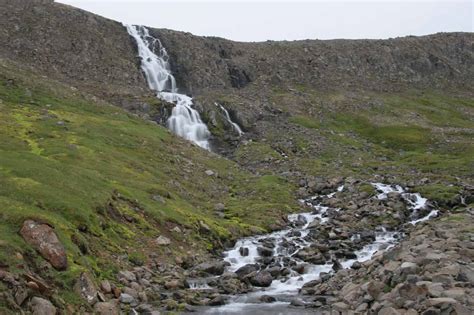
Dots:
(110, 183)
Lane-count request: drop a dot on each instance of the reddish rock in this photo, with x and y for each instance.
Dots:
(42, 237)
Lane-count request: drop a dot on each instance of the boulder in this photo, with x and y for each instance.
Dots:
(40, 306)
(261, 279)
(265, 251)
(43, 238)
(216, 301)
(247, 269)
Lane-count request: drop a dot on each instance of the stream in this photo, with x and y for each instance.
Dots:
(280, 251)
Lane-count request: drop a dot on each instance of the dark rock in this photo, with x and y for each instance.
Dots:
(218, 300)
(265, 251)
(261, 279)
(267, 299)
(244, 251)
(336, 265)
(247, 269)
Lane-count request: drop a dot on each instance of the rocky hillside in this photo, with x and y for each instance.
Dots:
(103, 210)
(434, 61)
(72, 45)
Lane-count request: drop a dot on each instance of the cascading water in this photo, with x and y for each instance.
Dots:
(234, 125)
(184, 120)
(286, 244)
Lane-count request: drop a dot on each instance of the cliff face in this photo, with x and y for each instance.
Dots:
(439, 60)
(72, 45)
(97, 54)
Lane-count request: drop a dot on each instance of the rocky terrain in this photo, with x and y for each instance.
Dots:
(103, 210)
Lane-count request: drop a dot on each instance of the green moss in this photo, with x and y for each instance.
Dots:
(305, 121)
(93, 177)
(442, 194)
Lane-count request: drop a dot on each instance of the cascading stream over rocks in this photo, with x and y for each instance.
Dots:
(184, 120)
(283, 265)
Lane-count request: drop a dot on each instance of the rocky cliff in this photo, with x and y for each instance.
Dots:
(87, 51)
(97, 54)
(434, 61)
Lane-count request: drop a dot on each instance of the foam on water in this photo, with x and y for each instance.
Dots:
(184, 120)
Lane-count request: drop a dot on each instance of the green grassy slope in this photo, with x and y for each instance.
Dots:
(410, 135)
(110, 183)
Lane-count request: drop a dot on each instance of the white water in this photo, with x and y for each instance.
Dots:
(234, 125)
(184, 120)
(415, 201)
(287, 287)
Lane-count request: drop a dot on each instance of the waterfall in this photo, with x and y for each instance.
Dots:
(184, 120)
(227, 117)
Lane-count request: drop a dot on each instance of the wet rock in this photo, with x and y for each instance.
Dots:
(261, 279)
(40, 306)
(43, 238)
(297, 302)
(246, 270)
(218, 300)
(244, 251)
(356, 265)
(336, 265)
(265, 251)
(267, 299)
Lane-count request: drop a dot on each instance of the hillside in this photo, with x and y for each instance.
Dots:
(104, 210)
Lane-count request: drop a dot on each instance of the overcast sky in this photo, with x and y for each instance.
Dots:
(289, 20)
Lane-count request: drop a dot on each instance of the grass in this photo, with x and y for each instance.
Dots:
(428, 133)
(93, 171)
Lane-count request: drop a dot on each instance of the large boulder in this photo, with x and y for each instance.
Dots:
(43, 238)
(247, 269)
(261, 279)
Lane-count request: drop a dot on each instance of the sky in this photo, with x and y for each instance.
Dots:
(262, 20)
